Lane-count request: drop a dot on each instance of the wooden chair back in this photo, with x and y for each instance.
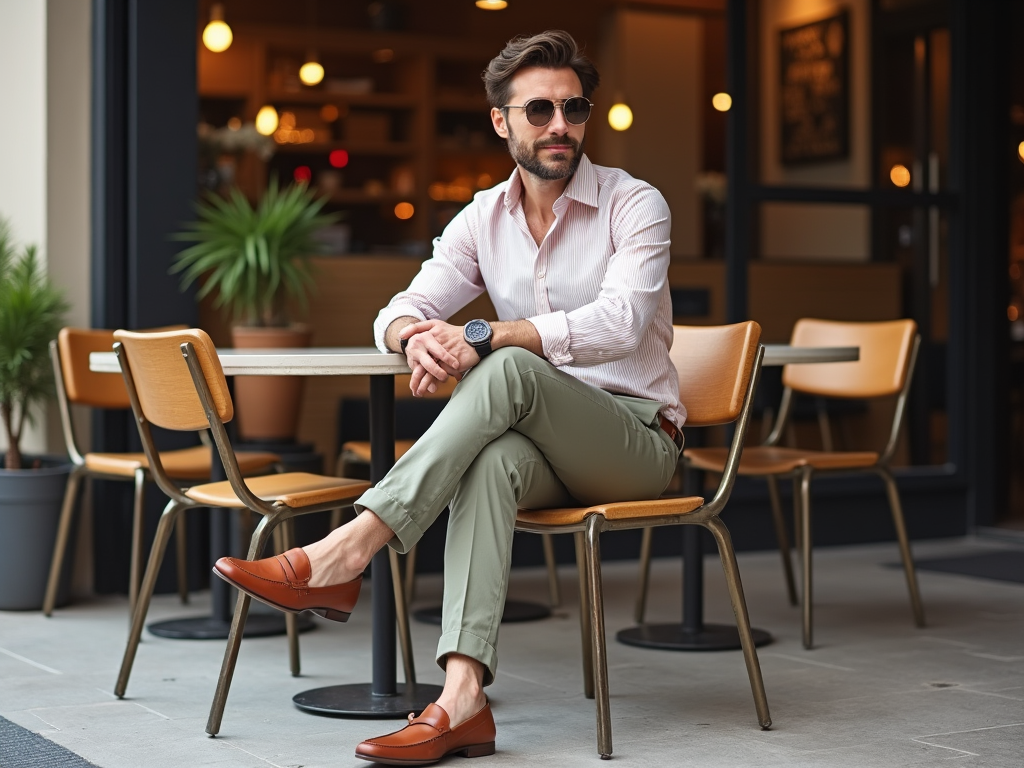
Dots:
(167, 394)
(714, 364)
(82, 386)
(885, 357)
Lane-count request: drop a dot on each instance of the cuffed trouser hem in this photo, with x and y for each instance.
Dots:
(468, 644)
(395, 516)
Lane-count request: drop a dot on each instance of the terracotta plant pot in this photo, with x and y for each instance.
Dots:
(267, 407)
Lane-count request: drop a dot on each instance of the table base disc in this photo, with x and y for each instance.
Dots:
(673, 637)
(358, 700)
(515, 610)
(213, 628)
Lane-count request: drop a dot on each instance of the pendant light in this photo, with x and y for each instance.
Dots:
(217, 35)
(312, 72)
(266, 120)
(492, 5)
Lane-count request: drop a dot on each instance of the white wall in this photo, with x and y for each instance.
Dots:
(44, 153)
(653, 61)
(819, 232)
(23, 133)
(23, 125)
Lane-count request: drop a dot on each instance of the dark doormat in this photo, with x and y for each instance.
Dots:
(998, 564)
(20, 748)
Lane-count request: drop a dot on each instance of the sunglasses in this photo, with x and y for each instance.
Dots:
(540, 111)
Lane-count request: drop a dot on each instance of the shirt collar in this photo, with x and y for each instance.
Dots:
(582, 187)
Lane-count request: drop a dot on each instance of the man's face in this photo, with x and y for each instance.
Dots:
(551, 151)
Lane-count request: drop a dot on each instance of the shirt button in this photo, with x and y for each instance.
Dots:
(540, 274)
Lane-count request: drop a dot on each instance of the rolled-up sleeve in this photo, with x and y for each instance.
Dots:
(611, 327)
(446, 282)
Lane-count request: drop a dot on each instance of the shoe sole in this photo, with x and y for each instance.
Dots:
(330, 614)
(473, 750)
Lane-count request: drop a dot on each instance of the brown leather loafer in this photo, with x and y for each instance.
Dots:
(429, 737)
(283, 582)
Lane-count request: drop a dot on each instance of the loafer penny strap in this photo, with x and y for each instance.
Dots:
(295, 567)
(434, 716)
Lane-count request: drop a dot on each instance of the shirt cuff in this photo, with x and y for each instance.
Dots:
(387, 316)
(553, 329)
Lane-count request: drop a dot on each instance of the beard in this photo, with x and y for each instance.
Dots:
(561, 165)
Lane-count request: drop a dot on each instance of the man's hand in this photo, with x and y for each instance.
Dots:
(435, 351)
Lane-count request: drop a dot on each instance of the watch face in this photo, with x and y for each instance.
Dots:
(477, 332)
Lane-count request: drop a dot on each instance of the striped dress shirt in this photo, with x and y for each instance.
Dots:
(596, 288)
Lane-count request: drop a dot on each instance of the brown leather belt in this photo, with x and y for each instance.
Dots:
(672, 431)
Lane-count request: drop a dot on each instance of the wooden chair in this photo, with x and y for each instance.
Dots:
(888, 351)
(78, 385)
(718, 371)
(175, 381)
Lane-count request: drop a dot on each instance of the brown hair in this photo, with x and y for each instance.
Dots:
(553, 49)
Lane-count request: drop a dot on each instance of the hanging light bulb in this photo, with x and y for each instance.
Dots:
(266, 120)
(722, 102)
(312, 72)
(620, 116)
(492, 5)
(217, 36)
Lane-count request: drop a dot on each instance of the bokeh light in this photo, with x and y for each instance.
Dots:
(900, 175)
(620, 117)
(266, 120)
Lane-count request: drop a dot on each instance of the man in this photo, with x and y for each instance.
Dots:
(571, 397)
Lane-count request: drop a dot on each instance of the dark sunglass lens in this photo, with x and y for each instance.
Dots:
(539, 111)
(576, 110)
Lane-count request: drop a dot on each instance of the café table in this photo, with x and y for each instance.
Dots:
(693, 634)
(383, 696)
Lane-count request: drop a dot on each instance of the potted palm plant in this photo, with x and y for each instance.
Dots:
(31, 488)
(254, 262)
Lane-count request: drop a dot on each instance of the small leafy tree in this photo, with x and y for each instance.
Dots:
(254, 258)
(31, 314)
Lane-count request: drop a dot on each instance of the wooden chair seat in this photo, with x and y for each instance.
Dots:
(622, 510)
(777, 460)
(296, 489)
(360, 449)
(184, 464)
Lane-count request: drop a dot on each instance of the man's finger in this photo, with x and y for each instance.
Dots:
(439, 353)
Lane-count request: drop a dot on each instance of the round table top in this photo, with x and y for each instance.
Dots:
(351, 361)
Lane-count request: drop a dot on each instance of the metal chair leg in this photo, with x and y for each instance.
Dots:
(402, 618)
(67, 515)
(806, 549)
(798, 535)
(227, 670)
(739, 607)
(645, 575)
(164, 530)
(138, 532)
(782, 537)
(904, 541)
(291, 620)
(554, 593)
(181, 537)
(600, 650)
(585, 627)
(410, 574)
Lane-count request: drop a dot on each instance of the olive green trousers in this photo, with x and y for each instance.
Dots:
(517, 433)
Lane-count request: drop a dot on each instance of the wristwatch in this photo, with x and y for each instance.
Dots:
(477, 334)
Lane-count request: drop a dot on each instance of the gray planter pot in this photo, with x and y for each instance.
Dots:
(30, 501)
